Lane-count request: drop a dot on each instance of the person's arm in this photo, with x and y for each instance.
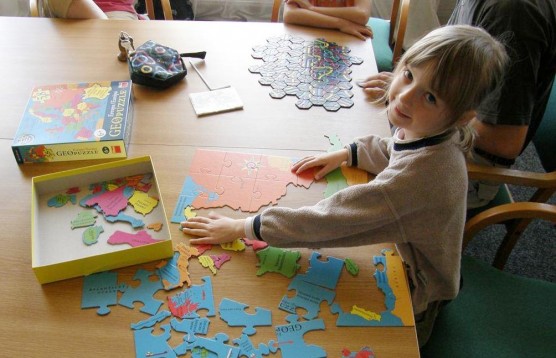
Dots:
(85, 9)
(359, 13)
(298, 16)
(214, 229)
(505, 141)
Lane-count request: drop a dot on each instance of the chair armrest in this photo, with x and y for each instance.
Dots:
(511, 176)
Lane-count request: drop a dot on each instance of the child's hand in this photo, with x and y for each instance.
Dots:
(302, 4)
(214, 229)
(359, 31)
(328, 162)
(375, 86)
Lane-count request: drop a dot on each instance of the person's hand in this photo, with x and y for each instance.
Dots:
(375, 86)
(328, 162)
(359, 31)
(214, 229)
(302, 4)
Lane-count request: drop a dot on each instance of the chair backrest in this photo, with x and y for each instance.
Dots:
(544, 139)
(276, 10)
(401, 7)
(35, 7)
(166, 9)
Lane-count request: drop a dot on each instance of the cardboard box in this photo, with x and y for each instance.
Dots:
(75, 121)
(60, 252)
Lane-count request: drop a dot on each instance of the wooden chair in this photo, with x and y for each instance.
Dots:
(276, 10)
(387, 44)
(545, 184)
(36, 9)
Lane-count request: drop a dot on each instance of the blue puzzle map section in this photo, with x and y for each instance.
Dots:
(317, 72)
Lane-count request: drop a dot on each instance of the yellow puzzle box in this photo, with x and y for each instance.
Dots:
(97, 218)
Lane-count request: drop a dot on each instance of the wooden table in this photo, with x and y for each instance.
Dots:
(46, 321)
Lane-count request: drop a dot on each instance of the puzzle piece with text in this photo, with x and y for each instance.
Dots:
(101, 290)
(291, 341)
(233, 313)
(185, 304)
(144, 292)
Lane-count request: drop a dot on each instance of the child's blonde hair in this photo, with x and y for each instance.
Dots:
(467, 64)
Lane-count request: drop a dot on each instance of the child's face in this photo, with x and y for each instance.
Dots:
(413, 104)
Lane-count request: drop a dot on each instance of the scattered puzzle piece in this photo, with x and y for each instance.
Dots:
(236, 245)
(308, 297)
(273, 259)
(186, 303)
(84, 219)
(323, 273)
(189, 213)
(149, 345)
(233, 313)
(368, 315)
(151, 321)
(364, 352)
(291, 342)
(135, 223)
(60, 200)
(170, 273)
(248, 349)
(220, 259)
(138, 239)
(255, 244)
(351, 266)
(142, 202)
(207, 262)
(143, 293)
(155, 226)
(91, 234)
(217, 346)
(111, 202)
(191, 326)
(101, 290)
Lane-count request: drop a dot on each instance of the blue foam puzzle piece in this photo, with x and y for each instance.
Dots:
(149, 345)
(323, 273)
(135, 223)
(101, 290)
(143, 293)
(233, 313)
(170, 272)
(186, 303)
(151, 321)
(308, 297)
(247, 349)
(209, 347)
(191, 326)
(347, 319)
(291, 342)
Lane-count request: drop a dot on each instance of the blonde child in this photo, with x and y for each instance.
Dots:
(418, 198)
(348, 16)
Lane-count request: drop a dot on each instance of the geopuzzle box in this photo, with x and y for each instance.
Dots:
(97, 218)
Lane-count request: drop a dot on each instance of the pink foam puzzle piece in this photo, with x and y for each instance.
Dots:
(111, 202)
(255, 244)
(235, 192)
(206, 199)
(207, 162)
(138, 239)
(267, 192)
(220, 260)
(241, 165)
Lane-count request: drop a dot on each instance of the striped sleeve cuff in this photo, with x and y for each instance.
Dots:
(252, 228)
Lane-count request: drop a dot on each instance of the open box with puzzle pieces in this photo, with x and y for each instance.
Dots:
(97, 218)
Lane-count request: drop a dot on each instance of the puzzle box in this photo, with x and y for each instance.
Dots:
(97, 218)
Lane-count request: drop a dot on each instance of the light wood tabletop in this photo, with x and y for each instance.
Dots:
(47, 320)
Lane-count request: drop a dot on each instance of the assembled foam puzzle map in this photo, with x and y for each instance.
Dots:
(241, 181)
(317, 72)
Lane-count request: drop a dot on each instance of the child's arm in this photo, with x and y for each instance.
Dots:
(298, 16)
(214, 229)
(359, 13)
(328, 162)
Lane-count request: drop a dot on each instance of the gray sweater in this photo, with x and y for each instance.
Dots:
(417, 201)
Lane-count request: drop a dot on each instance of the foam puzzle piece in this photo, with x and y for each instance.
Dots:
(206, 261)
(323, 273)
(202, 248)
(273, 259)
(344, 176)
(308, 297)
(73, 190)
(189, 212)
(236, 245)
(175, 272)
(290, 338)
(101, 290)
(202, 347)
(185, 304)
(233, 313)
(191, 326)
(143, 293)
(368, 315)
(255, 244)
(351, 267)
(60, 200)
(220, 260)
(140, 238)
(149, 345)
(91, 234)
(84, 219)
(135, 223)
(142, 202)
(155, 226)
(248, 349)
(111, 202)
(151, 321)
(365, 352)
